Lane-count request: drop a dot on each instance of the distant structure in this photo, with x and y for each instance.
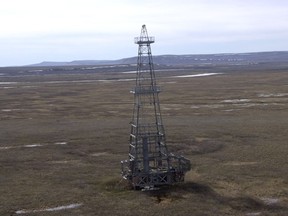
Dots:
(150, 164)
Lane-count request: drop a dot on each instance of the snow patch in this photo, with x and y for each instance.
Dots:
(270, 201)
(10, 110)
(32, 145)
(6, 147)
(167, 108)
(212, 106)
(116, 80)
(146, 71)
(236, 101)
(198, 75)
(58, 208)
(8, 83)
(129, 72)
(31, 71)
(194, 107)
(99, 154)
(6, 110)
(251, 104)
(173, 82)
(60, 143)
(273, 95)
(7, 87)
(123, 80)
(228, 110)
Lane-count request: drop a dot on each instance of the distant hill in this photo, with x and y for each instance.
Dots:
(193, 59)
(76, 63)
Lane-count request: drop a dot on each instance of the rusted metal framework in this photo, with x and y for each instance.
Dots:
(150, 164)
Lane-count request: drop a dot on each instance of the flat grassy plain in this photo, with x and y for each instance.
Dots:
(62, 137)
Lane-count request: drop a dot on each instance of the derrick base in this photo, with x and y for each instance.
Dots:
(156, 177)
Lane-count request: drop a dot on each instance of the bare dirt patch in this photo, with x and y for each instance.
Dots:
(97, 154)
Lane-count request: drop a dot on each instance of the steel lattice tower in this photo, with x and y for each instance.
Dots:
(150, 164)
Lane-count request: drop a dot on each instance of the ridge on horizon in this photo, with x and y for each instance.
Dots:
(175, 59)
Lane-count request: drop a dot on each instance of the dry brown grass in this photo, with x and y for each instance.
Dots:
(238, 147)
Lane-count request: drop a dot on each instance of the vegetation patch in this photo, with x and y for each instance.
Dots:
(238, 157)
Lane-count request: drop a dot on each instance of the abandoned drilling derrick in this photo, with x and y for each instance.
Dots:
(150, 164)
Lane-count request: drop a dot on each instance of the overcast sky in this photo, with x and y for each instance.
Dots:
(33, 31)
